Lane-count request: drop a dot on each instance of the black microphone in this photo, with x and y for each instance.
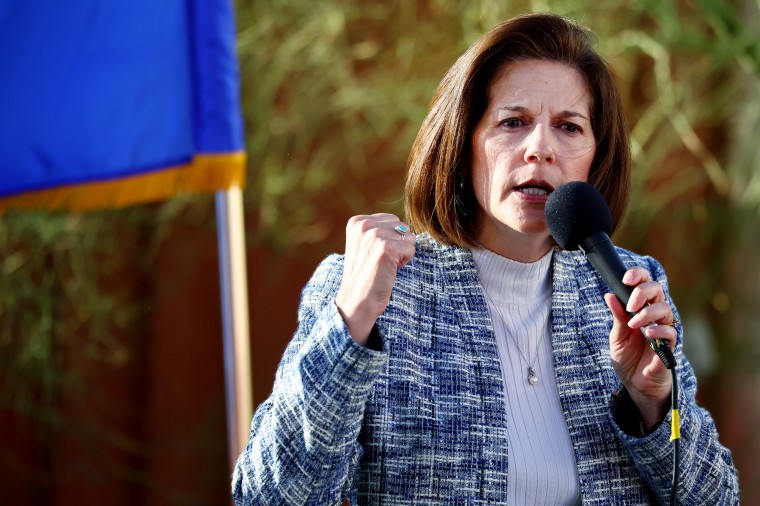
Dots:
(578, 217)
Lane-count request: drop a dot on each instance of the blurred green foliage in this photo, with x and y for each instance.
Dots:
(73, 311)
(47, 293)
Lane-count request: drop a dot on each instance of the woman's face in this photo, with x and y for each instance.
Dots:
(534, 136)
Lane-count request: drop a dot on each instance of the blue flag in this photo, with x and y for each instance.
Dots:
(108, 103)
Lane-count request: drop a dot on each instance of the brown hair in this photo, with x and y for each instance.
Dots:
(440, 153)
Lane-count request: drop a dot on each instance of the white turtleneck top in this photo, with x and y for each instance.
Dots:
(542, 466)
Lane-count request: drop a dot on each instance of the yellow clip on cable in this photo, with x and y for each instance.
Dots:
(675, 426)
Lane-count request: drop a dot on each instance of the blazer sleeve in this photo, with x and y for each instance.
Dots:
(707, 472)
(303, 446)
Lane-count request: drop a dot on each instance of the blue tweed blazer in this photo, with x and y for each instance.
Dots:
(423, 421)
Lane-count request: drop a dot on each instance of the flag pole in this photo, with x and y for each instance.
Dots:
(234, 295)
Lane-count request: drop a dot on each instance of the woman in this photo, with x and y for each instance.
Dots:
(476, 363)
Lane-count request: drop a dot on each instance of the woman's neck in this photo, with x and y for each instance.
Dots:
(521, 247)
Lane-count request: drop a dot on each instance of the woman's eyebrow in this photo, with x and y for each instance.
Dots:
(573, 114)
(523, 109)
(513, 108)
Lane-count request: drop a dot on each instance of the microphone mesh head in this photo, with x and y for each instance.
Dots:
(575, 211)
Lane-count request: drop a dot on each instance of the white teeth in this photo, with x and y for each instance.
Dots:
(534, 191)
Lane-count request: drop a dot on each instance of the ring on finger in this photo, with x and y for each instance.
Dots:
(402, 230)
(673, 323)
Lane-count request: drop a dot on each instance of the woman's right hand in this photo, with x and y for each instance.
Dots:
(374, 253)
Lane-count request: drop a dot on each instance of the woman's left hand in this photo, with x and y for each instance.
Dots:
(640, 370)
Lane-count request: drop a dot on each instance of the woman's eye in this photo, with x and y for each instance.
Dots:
(571, 128)
(512, 122)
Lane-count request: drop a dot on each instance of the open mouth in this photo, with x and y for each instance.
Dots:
(534, 189)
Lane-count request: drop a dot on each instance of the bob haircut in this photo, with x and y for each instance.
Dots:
(440, 155)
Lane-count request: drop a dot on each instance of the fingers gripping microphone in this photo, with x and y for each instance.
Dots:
(578, 218)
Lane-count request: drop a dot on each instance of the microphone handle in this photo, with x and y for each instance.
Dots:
(600, 251)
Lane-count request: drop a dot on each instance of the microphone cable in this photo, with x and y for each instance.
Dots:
(675, 436)
(666, 355)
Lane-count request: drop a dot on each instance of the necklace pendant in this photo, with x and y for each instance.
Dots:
(532, 378)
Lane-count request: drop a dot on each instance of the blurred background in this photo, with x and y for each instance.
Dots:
(111, 372)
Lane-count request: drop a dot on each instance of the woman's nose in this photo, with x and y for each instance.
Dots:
(538, 146)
